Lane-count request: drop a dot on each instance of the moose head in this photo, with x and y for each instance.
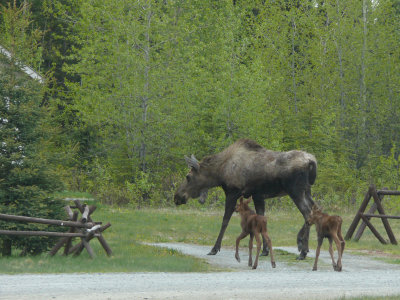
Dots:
(195, 185)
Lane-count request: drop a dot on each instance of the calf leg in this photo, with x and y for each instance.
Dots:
(250, 263)
(317, 253)
(241, 236)
(266, 237)
(341, 239)
(339, 249)
(257, 235)
(331, 253)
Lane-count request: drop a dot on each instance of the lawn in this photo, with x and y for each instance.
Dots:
(132, 228)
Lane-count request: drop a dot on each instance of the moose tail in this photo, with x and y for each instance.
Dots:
(312, 174)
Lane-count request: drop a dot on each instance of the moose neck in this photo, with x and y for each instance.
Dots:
(211, 166)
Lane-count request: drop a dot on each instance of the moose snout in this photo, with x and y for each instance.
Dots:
(180, 199)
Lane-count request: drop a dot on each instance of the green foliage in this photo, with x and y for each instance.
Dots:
(140, 84)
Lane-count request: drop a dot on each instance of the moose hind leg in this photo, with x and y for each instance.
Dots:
(259, 205)
(300, 193)
(302, 241)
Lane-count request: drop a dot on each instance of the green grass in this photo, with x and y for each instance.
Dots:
(68, 194)
(131, 228)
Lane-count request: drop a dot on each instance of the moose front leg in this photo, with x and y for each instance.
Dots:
(230, 203)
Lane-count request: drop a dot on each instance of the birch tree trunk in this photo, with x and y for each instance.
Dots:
(146, 91)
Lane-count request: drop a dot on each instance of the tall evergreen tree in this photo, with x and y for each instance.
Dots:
(26, 180)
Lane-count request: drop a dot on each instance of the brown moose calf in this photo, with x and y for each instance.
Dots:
(331, 228)
(252, 224)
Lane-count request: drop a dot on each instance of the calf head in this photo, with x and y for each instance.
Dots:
(195, 185)
(243, 205)
(315, 213)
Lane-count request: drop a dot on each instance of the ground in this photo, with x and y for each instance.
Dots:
(361, 275)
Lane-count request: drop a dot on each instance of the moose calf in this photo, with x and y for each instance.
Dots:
(331, 228)
(252, 224)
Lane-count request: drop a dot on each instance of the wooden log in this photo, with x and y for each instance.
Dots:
(85, 242)
(45, 221)
(374, 231)
(103, 242)
(69, 211)
(72, 229)
(384, 220)
(386, 192)
(85, 214)
(79, 247)
(381, 216)
(64, 240)
(101, 239)
(42, 233)
(357, 217)
(361, 229)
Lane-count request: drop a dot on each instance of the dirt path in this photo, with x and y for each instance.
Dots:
(361, 276)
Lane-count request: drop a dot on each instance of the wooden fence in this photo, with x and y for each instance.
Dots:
(84, 228)
(378, 196)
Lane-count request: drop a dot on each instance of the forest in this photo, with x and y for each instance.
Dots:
(131, 86)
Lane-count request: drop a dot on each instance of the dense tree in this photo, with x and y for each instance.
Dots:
(149, 81)
(26, 179)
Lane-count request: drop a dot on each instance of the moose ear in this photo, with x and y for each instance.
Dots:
(316, 207)
(192, 162)
(241, 200)
(249, 200)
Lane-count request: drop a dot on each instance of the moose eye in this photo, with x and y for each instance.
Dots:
(188, 178)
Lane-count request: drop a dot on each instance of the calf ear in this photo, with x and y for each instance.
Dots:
(318, 208)
(249, 200)
(241, 199)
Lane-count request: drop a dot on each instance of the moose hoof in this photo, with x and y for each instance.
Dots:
(265, 252)
(302, 255)
(213, 251)
(337, 269)
(237, 258)
(314, 269)
(273, 264)
(254, 267)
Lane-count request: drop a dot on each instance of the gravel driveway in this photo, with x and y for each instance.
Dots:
(361, 275)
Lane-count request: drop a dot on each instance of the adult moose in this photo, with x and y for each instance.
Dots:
(247, 169)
